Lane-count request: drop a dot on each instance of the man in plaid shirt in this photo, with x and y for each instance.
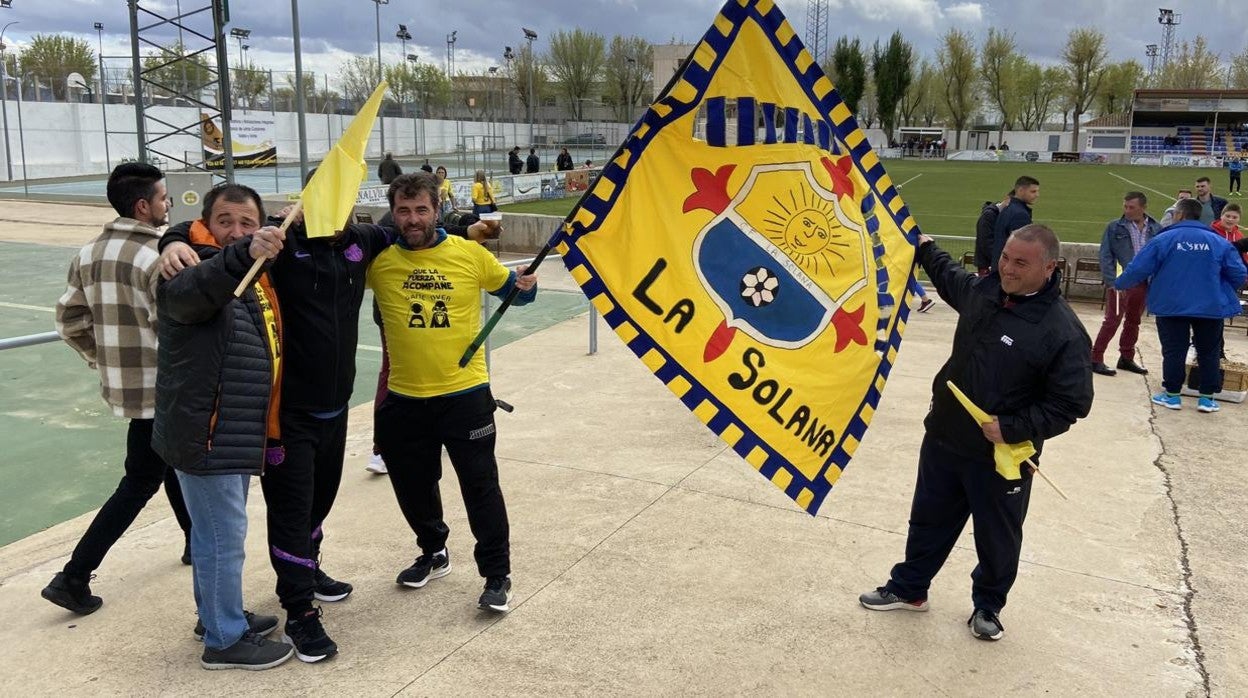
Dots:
(108, 315)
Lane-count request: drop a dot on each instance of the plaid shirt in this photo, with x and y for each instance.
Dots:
(108, 314)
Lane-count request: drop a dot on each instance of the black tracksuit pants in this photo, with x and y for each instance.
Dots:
(410, 432)
(298, 494)
(951, 488)
(145, 471)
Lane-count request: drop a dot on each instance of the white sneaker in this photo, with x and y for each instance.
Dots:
(376, 465)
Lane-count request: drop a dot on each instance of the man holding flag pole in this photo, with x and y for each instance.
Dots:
(1021, 354)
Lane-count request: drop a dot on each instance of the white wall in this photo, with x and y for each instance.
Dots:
(66, 139)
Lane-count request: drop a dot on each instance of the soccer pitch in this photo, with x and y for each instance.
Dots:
(1076, 200)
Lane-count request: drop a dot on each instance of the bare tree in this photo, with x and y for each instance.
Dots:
(916, 92)
(247, 82)
(576, 59)
(627, 74)
(956, 57)
(358, 77)
(519, 69)
(1085, 56)
(1239, 71)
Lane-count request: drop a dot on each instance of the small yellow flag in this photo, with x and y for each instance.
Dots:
(331, 193)
(1007, 456)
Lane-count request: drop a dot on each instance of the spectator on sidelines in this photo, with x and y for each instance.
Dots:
(1192, 277)
(1167, 219)
(984, 234)
(1235, 168)
(564, 161)
(1016, 214)
(217, 406)
(1122, 241)
(514, 164)
(1210, 205)
(388, 169)
(108, 315)
(532, 164)
(482, 194)
(1227, 227)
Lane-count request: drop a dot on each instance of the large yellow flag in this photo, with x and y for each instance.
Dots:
(331, 193)
(747, 245)
(1006, 456)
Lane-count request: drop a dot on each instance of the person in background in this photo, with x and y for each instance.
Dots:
(514, 164)
(108, 315)
(1122, 240)
(564, 161)
(482, 194)
(1192, 277)
(446, 193)
(388, 169)
(1015, 215)
(1227, 227)
(1210, 205)
(984, 228)
(532, 164)
(1235, 169)
(1167, 218)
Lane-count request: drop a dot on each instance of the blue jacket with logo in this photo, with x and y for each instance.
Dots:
(1194, 273)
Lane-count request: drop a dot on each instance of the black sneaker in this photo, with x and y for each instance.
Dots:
(260, 625)
(425, 568)
(497, 595)
(985, 625)
(251, 652)
(72, 594)
(884, 600)
(330, 589)
(307, 636)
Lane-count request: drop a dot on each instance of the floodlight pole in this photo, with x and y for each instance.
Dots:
(530, 35)
(300, 102)
(381, 113)
(4, 103)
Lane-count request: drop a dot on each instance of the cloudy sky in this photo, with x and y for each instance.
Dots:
(335, 29)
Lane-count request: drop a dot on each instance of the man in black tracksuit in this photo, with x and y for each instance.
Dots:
(1021, 354)
(1016, 214)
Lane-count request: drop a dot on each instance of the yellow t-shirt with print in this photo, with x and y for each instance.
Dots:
(430, 303)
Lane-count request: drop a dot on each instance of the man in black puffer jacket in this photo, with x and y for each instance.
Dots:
(218, 360)
(1022, 355)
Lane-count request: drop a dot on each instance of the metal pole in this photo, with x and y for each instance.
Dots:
(381, 113)
(277, 180)
(329, 139)
(593, 329)
(531, 105)
(21, 136)
(140, 131)
(300, 102)
(223, 93)
(108, 161)
(4, 105)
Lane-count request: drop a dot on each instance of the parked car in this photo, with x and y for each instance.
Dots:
(585, 139)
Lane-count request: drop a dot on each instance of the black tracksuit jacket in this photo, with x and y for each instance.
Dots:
(1029, 364)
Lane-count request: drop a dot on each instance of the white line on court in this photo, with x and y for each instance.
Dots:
(22, 306)
(368, 347)
(1137, 184)
(899, 186)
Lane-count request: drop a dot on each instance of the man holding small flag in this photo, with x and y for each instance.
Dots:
(1021, 354)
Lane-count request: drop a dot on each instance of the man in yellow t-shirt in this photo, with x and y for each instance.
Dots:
(428, 289)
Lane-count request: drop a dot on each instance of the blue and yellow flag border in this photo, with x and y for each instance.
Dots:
(685, 94)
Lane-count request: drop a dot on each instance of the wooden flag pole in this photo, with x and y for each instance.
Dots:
(255, 267)
(1036, 470)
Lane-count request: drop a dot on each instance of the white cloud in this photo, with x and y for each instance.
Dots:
(967, 12)
(913, 13)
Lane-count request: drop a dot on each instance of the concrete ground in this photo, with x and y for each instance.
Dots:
(650, 559)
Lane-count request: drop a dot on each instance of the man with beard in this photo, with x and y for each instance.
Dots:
(428, 288)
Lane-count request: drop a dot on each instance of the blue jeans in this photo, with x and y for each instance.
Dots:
(218, 507)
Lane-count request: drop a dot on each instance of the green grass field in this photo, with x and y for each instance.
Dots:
(1076, 200)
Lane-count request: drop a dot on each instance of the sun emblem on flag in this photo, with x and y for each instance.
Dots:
(781, 258)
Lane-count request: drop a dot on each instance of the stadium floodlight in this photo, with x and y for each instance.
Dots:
(529, 33)
(6, 4)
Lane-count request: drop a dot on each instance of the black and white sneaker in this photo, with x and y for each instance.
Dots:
(884, 600)
(330, 589)
(250, 652)
(259, 625)
(497, 595)
(985, 625)
(307, 636)
(425, 568)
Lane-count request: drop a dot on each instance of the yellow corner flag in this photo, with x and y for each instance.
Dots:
(331, 193)
(1007, 456)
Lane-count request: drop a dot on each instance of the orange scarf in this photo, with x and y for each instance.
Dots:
(200, 235)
